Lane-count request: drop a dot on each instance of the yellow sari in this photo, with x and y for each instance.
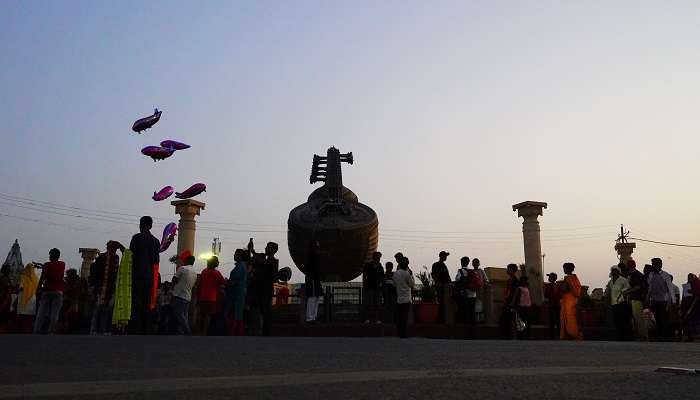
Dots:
(571, 291)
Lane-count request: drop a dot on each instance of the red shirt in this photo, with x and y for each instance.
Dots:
(209, 283)
(53, 276)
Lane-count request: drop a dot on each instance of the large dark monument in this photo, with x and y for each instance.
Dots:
(346, 230)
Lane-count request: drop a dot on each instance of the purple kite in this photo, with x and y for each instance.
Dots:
(169, 233)
(146, 122)
(163, 193)
(157, 152)
(171, 144)
(193, 190)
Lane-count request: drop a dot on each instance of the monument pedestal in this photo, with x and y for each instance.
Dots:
(89, 255)
(188, 210)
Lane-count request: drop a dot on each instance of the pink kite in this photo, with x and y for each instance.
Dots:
(192, 191)
(169, 233)
(171, 144)
(163, 193)
(146, 122)
(157, 152)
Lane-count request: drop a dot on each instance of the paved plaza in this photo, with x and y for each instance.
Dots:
(166, 367)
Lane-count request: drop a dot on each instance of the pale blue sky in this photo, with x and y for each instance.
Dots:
(454, 111)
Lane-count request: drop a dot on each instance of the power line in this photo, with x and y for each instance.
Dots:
(665, 243)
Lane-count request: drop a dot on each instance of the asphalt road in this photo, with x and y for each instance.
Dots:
(133, 367)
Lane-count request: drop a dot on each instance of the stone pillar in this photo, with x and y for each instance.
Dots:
(89, 255)
(187, 209)
(624, 251)
(530, 210)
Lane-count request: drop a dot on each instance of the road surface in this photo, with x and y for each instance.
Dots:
(167, 367)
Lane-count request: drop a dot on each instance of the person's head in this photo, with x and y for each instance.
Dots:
(271, 249)
(551, 277)
(631, 265)
(476, 263)
(523, 281)
(389, 266)
(239, 255)
(512, 269)
(398, 256)
(145, 223)
(568, 268)
(443, 255)
(72, 275)
(656, 264)
(54, 254)
(464, 261)
(615, 271)
(376, 256)
(691, 278)
(212, 262)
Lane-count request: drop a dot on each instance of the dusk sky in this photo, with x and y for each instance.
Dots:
(454, 111)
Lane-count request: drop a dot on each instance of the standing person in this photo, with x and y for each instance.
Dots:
(523, 303)
(404, 283)
(460, 290)
(637, 294)
(184, 281)
(26, 302)
(236, 291)
(615, 290)
(479, 314)
(373, 278)
(50, 292)
(508, 314)
(389, 292)
(103, 288)
(6, 290)
(553, 295)
(210, 282)
(70, 312)
(145, 250)
(264, 281)
(313, 290)
(570, 293)
(660, 297)
(441, 277)
(691, 309)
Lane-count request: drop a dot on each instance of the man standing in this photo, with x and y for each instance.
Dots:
(404, 283)
(616, 289)
(264, 278)
(373, 278)
(660, 297)
(441, 277)
(508, 314)
(637, 294)
(553, 296)
(50, 290)
(389, 291)
(184, 281)
(146, 253)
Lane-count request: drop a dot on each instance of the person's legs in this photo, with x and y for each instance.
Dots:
(312, 308)
(56, 301)
(470, 316)
(618, 319)
(661, 317)
(180, 307)
(441, 306)
(554, 326)
(402, 320)
(506, 323)
(41, 314)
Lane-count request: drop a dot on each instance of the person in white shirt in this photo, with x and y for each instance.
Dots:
(660, 297)
(616, 288)
(184, 280)
(404, 283)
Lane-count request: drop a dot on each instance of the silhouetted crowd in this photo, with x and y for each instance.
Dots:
(124, 294)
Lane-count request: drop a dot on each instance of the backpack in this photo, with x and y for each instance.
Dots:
(474, 281)
(461, 285)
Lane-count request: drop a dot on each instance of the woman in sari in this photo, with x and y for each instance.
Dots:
(26, 303)
(570, 293)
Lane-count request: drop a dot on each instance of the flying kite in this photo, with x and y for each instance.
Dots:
(157, 152)
(169, 233)
(163, 194)
(172, 144)
(146, 122)
(192, 191)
